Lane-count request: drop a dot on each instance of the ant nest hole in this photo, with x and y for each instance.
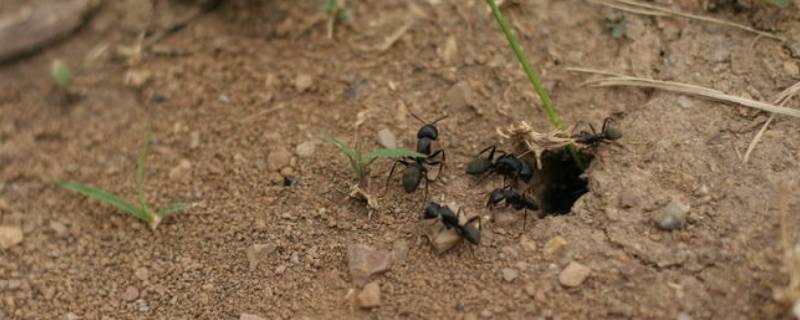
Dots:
(559, 182)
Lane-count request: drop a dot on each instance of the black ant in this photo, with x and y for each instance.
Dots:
(451, 220)
(415, 170)
(512, 198)
(506, 165)
(593, 139)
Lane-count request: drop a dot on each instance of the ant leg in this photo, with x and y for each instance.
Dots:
(391, 172)
(591, 127)
(441, 163)
(524, 221)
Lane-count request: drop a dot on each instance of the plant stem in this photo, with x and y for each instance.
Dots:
(533, 77)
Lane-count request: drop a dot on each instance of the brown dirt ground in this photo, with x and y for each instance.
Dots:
(219, 75)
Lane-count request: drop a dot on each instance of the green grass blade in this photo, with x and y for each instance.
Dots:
(172, 209)
(102, 196)
(533, 77)
(344, 148)
(140, 194)
(394, 153)
(328, 5)
(779, 3)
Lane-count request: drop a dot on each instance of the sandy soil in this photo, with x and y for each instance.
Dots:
(254, 79)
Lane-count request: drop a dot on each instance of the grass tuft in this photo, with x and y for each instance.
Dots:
(141, 211)
(360, 162)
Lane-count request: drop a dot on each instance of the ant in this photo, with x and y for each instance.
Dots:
(593, 139)
(416, 171)
(451, 221)
(506, 165)
(512, 198)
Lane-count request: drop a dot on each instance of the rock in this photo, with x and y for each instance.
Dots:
(530, 290)
(71, 316)
(509, 274)
(194, 139)
(445, 240)
(685, 102)
(364, 262)
(370, 296)
(628, 200)
(278, 159)
(295, 258)
(486, 314)
(399, 251)
(10, 236)
(247, 316)
(130, 294)
(387, 139)
(258, 252)
(449, 52)
(554, 245)
(303, 82)
(306, 149)
(460, 96)
(672, 216)
(181, 172)
(574, 274)
(142, 273)
(31, 28)
(58, 228)
(137, 78)
(528, 244)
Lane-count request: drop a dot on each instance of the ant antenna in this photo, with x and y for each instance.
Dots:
(423, 121)
(416, 117)
(439, 119)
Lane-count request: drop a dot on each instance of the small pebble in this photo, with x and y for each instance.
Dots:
(370, 296)
(574, 274)
(509, 274)
(685, 102)
(303, 82)
(279, 159)
(247, 316)
(130, 294)
(460, 96)
(554, 245)
(364, 261)
(141, 274)
(672, 216)
(10, 236)
(182, 171)
(306, 149)
(387, 139)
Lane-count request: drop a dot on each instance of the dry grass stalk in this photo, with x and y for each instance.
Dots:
(653, 10)
(781, 99)
(535, 141)
(688, 89)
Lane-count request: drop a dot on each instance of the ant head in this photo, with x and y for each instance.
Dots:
(432, 210)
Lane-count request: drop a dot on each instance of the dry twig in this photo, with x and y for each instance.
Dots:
(781, 99)
(653, 10)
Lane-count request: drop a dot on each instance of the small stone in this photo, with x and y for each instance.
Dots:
(303, 82)
(247, 316)
(387, 139)
(685, 102)
(685, 316)
(130, 294)
(445, 240)
(530, 290)
(628, 200)
(672, 216)
(137, 78)
(142, 273)
(399, 251)
(370, 296)
(364, 262)
(554, 245)
(10, 236)
(306, 149)
(449, 52)
(460, 96)
(278, 159)
(509, 274)
(71, 316)
(58, 228)
(486, 314)
(791, 68)
(528, 244)
(574, 274)
(258, 252)
(181, 172)
(295, 258)
(194, 139)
